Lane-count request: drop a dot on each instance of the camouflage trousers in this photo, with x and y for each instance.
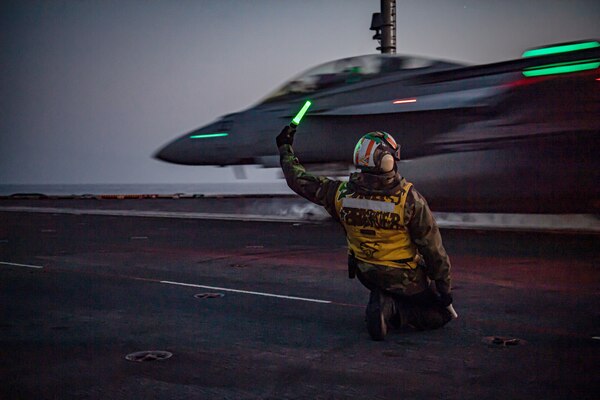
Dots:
(398, 281)
(417, 304)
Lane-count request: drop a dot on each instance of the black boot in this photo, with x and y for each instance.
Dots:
(379, 312)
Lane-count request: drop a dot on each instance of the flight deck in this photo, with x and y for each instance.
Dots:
(265, 310)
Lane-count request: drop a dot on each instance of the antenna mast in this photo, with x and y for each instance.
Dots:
(384, 25)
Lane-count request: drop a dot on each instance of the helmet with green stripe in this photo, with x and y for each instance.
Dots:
(371, 150)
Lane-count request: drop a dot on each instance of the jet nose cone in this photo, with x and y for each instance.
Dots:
(204, 146)
(196, 148)
(182, 151)
(166, 154)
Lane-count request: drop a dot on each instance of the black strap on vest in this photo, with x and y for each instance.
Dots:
(404, 260)
(352, 265)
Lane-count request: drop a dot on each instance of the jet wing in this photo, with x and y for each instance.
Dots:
(517, 65)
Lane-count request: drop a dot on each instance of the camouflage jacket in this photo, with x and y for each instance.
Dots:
(421, 225)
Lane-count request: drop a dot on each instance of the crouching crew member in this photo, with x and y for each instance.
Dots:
(394, 244)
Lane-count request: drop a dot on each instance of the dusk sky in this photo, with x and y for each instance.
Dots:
(89, 90)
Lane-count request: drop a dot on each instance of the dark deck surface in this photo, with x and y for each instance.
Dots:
(66, 328)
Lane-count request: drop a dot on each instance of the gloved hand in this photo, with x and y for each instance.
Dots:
(445, 299)
(286, 136)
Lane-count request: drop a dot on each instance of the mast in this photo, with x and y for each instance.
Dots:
(384, 25)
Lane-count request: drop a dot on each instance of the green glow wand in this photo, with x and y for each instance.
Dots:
(296, 121)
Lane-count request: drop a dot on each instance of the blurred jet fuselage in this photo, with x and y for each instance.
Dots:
(505, 137)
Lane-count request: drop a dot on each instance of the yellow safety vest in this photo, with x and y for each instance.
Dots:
(375, 227)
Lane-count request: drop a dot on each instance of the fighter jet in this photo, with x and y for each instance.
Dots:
(515, 136)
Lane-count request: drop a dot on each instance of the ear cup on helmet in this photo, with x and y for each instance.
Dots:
(387, 163)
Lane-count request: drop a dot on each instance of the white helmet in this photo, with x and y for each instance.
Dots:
(371, 150)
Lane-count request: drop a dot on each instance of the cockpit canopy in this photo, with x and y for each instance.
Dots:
(347, 71)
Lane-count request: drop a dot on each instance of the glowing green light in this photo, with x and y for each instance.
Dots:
(563, 68)
(296, 120)
(560, 49)
(209, 135)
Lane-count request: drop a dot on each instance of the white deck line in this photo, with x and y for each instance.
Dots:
(21, 265)
(279, 296)
(161, 214)
(575, 223)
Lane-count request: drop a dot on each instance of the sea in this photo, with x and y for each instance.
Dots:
(278, 187)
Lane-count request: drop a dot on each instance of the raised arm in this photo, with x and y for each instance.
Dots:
(317, 189)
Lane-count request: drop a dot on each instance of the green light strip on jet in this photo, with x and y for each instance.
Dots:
(209, 135)
(296, 120)
(564, 68)
(560, 49)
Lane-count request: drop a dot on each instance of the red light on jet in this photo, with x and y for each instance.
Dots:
(598, 79)
(404, 101)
